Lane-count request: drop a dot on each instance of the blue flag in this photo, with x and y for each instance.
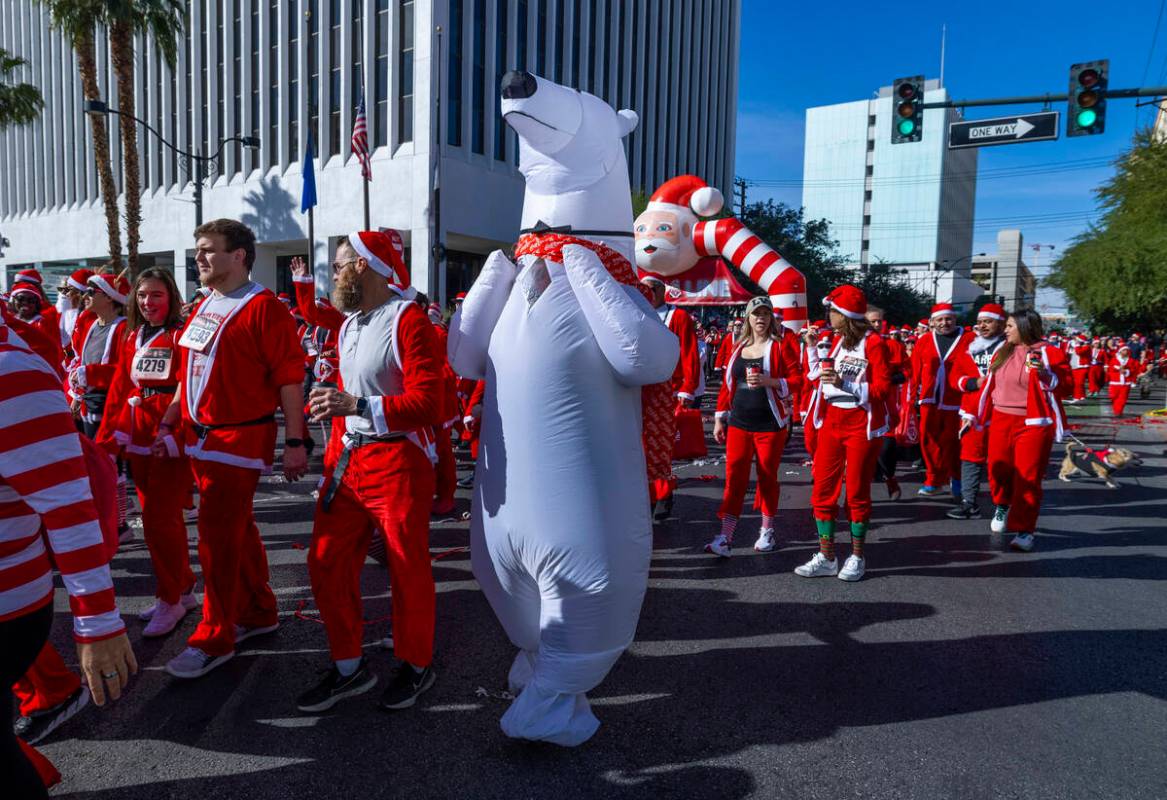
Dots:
(308, 192)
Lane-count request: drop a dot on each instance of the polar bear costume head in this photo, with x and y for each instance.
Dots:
(572, 157)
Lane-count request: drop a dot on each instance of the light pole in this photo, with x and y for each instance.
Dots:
(195, 162)
(951, 266)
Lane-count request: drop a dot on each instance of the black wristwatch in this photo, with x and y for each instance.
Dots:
(293, 443)
(362, 405)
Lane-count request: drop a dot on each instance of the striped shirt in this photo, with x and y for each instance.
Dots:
(45, 498)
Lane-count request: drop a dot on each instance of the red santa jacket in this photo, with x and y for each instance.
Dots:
(253, 353)
(876, 385)
(930, 371)
(1080, 355)
(724, 350)
(964, 370)
(98, 375)
(1044, 398)
(1115, 369)
(781, 362)
(143, 387)
(687, 374)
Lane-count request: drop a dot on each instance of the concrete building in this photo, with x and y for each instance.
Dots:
(910, 205)
(277, 69)
(1005, 275)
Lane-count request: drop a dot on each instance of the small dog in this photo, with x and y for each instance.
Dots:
(1103, 463)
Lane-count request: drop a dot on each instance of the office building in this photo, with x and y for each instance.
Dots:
(1005, 275)
(281, 69)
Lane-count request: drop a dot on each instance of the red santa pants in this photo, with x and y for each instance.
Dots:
(387, 485)
(741, 447)
(974, 446)
(446, 471)
(939, 444)
(1096, 375)
(1081, 376)
(47, 683)
(235, 575)
(163, 485)
(809, 436)
(844, 451)
(1118, 397)
(1018, 455)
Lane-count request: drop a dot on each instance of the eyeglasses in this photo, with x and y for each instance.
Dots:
(337, 266)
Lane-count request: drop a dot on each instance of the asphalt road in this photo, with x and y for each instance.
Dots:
(953, 670)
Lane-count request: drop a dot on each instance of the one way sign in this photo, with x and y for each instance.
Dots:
(1038, 127)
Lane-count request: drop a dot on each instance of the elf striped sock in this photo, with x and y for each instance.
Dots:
(826, 530)
(728, 526)
(767, 522)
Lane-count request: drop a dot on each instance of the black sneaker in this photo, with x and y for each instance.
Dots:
(467, 482)
(336, 687)
(663, 509)
(965, 511)
(405, 687)
(42, 723)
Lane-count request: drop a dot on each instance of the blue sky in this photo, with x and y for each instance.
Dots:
(795, 55)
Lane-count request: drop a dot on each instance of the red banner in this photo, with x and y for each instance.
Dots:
(708, 283)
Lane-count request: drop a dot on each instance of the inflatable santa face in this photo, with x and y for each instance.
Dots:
(560, 528)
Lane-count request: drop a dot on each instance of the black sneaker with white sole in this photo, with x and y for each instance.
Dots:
(965, 511)
(406, 686)
(336, 687)
(35, 727)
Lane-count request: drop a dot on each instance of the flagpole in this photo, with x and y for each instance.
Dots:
(366, 193)
(312, 242)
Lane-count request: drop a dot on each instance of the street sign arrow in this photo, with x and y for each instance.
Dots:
(1039, 127)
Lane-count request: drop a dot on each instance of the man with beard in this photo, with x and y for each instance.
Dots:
(939, 402)
(378, 471)
(240, 360)
(968, 373)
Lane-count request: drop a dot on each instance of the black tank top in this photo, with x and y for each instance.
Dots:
(751, 408)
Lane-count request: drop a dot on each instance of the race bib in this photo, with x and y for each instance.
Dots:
(199, 333)
(152, 364)
(851, 368)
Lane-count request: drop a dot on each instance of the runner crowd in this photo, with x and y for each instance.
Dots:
(122, 384)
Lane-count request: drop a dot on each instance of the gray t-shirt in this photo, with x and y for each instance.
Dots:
(95, 346)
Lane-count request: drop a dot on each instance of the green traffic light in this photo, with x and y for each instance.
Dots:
(1086, 118)
(906, 127)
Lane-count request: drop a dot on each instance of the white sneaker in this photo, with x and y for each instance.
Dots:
(1000, 518)
(818, 567)
(194, 663)
(765, 541)
(164, 619)
(853, 568)
(187, 601)
(720, 546)
(1023, 542)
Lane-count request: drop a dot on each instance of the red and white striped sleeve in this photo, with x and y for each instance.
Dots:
(44, 482)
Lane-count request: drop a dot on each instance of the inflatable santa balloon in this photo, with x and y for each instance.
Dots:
(671, 237)
(560, 529)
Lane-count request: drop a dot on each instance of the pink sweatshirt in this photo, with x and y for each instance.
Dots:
(1011, 386)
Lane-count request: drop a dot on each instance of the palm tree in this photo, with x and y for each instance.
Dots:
(162, 21)
(77, 21)
(20, 103)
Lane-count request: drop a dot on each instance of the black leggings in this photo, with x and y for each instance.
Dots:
(23, 639)
(885, 466)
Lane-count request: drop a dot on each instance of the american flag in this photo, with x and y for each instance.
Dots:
(361, 141)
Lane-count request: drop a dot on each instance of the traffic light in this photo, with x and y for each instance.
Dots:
(1087, 98)
(907, 113)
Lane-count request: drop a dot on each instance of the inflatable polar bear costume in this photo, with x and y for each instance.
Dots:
(560, 530)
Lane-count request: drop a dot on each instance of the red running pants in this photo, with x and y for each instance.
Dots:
(235, 575)
(1118, 397)
(741, 448)
(163, 485)
(939, 444)
(1018, 455)
(446, 474)
(1081, 376)
(844, 451)
(1097, 373)
(47, 683)
(387, 486)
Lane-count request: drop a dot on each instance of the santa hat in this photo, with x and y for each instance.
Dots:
(848, 300)
(459, 297)
(385, 252)
(284, 298)
(906, 328)
(650, 278)
(24, 287)
(688, 194)
(943, 310)
(30, 276)
(922, 323)
(79, 278)
(992, 311)
(114, 287)
(434, 312)
(819, 323)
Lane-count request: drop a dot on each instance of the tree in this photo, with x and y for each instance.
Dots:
(886, 288)
(20, 103)
(159, 20)
(806, 245)
(1115, 273)
(77, 20)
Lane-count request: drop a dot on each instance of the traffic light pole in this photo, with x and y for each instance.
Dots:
(1048, 99)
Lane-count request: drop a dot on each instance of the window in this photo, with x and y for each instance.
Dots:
(405, 73)
(593, 85)
(273, 92)
(541, 39)
(381, 75)
(190, 100)
(559, 43)
(575, 48)
(478, 80)
(295, 25)
(500, 60)
(313, 77)
(205, 91)
(357, 76)
(454, 102)
(521, 33)
(334, 77)
(620, 15)
(221, 81)
(253, 155)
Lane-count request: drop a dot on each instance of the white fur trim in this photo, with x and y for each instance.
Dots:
(101, 283)
(988, 315)
(846, 313)
(303, 279)
(706, 201)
